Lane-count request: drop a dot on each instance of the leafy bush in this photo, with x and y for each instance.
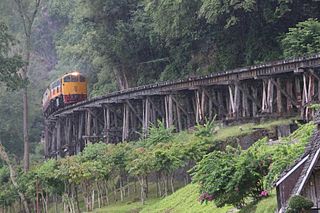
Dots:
(234, 175)
(302, 39)
(298, 204)
(288, 151)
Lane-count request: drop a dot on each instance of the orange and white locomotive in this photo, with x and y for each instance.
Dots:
(69, 89)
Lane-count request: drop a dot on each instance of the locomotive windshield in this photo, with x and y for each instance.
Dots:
(71, 78)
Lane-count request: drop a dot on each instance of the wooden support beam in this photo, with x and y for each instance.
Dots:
(146, 116)
(279, 98)
(155, 106)
(58, 129)
(134, 111)
(88, 120)
(252, 98)
(254, 91)
(107, 124)
(290, 98)
(46, 139)
(234, 94)
(222, 107)
(125, 125)
(245, 104)
(179, 106)
(168, 109)
(213, 101)
(179, 118)
(199, 112)
(270, 95)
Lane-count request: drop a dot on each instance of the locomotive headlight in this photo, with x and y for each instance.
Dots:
(75, 73)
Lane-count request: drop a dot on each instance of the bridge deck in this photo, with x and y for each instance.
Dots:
(278, 88)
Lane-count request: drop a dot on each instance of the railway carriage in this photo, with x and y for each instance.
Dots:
(69, 89)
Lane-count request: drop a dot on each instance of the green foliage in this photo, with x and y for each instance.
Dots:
(184, 200)
(141, 162)
(8, 194)
(9, 65)
(298, 203)
(158, 134)
(288, 151)
(206, 130)
(233, 175)
(303, 39)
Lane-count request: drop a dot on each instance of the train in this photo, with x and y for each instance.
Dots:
(66, 90)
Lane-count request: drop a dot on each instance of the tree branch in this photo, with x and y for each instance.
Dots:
(13, 175)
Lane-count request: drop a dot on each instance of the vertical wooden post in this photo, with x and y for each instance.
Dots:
(75, 128)
(80, 131)
(222, 108)
(270, 96)
(125, 126)
(168, 109)
(58, 137)
(289, 89)
(95, 129)
(203, 104)
(255, 96)
(54, 141)
(210, 102)
(46, 139)
(231, 102)
(264, 96)
(298, 90)
(146, 116)
(88, 126)
(304, 96)
(279, 98)
(237, 99)
(198, 101)
(245, 105)
(178, 118)
(106, 120)
(234, 100)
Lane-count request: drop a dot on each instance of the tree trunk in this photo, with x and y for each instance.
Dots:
(13, 176)
(171, 183)
(77, 199)
(121, 189)
(107, 192)
(165, 182)
(27, 18)
(121, 79)
(142, 189)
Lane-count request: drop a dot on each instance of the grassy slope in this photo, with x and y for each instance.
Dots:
(131, 207)
(239, 130)
(267, 205)
(185, 199)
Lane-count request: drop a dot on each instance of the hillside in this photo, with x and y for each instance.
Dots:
(185, 200)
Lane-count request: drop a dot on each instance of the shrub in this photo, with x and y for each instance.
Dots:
(298, 204)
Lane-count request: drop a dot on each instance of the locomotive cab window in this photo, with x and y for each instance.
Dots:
(71, 78)
(82, 79)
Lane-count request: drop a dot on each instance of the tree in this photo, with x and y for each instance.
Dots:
(141, 164)
(9, 65)
(27, 12)
(303, 39)
(233, 176)
(4, 156)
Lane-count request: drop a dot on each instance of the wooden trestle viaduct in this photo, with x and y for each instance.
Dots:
(281, 88)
